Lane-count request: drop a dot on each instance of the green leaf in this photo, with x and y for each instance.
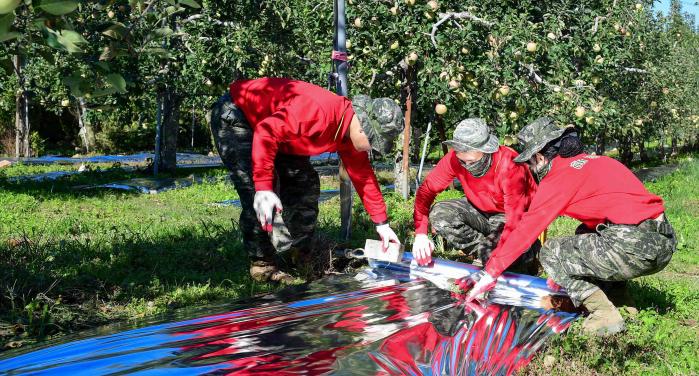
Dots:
(117, 82)
(103, 92)
(162, 32)
(8, 6)
(156, 51)
(71, 41)
(4, 37)
(116, 31)
(58, 7)
(190, 3)
(5, 25)
(76, 84)
(6, 21)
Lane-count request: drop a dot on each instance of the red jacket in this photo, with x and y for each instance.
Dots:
(298, 118)
(592, 189)
(507, 188)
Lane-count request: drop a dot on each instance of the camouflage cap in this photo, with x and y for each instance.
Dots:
(473, 134)
(381, 120)
(536, 135)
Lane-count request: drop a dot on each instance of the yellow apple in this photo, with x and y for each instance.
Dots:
(579, 111)
(357, 22)
(440, 109)
(394, 45)
(433, 5)
(504, 90)
(454, 84)
(596, 47)
(531, 47)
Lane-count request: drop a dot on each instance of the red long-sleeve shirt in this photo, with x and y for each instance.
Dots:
(507, 188)
(592, 189)
(295, 117)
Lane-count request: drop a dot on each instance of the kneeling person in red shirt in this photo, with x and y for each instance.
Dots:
(265, 131)
(497, 191)
(624, 232)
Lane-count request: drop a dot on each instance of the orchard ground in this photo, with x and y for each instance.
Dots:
(75, 259)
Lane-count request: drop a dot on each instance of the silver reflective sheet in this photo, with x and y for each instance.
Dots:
(379, 322)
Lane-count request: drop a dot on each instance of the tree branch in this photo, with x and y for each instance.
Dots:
(444, 17)
(635, 70)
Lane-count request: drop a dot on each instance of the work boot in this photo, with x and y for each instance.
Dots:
(604, 318)
(267, 271)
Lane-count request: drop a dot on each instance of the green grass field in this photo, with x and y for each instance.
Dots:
(73, 259)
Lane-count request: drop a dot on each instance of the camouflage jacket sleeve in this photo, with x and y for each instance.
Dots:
(436, 181)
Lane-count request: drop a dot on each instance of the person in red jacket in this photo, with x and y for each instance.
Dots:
(265, 131)
(624, 232)
(497, 191)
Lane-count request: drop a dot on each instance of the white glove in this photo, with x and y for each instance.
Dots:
(485, 283)
(265, 203)
(422, 249)
(387, 235)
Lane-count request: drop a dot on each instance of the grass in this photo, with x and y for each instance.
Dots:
(73, 259)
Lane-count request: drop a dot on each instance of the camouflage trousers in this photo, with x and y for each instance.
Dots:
(585, 262)
(475, 233)
(296, 183)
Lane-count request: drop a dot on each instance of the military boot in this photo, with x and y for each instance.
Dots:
(604, 318)
(267, 271)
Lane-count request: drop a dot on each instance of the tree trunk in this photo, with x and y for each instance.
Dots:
(170, 128)
(600, 143)
(642, 151)
(402, 167)
(673, 142)
(442, 133)
(625, 151)
(22, 126)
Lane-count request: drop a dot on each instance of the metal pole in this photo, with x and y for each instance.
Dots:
(341, 88)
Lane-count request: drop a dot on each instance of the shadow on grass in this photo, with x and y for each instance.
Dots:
(54, 285)
(649, 297)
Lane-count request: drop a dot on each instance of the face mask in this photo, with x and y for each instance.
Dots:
(540, 171)
(480, 167)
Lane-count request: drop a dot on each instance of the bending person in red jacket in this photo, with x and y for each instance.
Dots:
(265, 131)
(624, 232)
(497, 192)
